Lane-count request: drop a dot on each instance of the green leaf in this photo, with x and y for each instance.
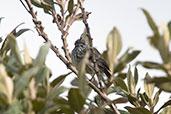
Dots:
(125, 59)
(38, 104)
(15, 50)
(166, 110)
(163, 44)
(156, 97)
(36, 3)
(169, 27)
(6, 45)
(59, 79)
(136, 75)
(168, 103)
(6, 84)
(151, 22)
(42, 74)
(163, 83)
(120, 100)
(139, 110)
(21, 31)
(55, 92)
(23, 81)
(119, 82)
(114, 46)
(130, 81)
(131, 56)
(149, 88)
(81, 74)
(1, 39)
(14, 108)
(1, 19)
(98, 110)
(40, 59)
(70, 6)
(150, 65)
(75, 99)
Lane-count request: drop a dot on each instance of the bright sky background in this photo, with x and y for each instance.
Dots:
(126, 15)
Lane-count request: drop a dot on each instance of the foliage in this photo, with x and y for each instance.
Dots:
(25, 86)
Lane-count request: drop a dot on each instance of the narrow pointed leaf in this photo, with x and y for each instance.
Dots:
(59, 79)
(114, 46)
(81, 74)
(149, 88)
(75, 99)
(139, 110)
(130, 81)
(15, 50)
(150, 21)
(70, 6)
(136, 75)
(55, 92)
(119, 82)
(6, 84)
(40, 59)
(23, 81)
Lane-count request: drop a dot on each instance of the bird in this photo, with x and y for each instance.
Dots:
(79, 52)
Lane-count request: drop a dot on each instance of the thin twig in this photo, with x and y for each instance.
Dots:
(41, 32)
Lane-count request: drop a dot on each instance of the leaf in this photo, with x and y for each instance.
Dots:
(42, 74)
(139, 110)
(169, 27)
(119, 82)
(36, 3)
(1, 39)
(131, 56)
(130, 81)
(55, 92)
(59, 79)
(6, 46)
(114, 46)
(15, 50)
(150, 65)
(81, 74)
(6, 84)
(163, 83)
(136, 75)
(14, 108)
(40, 59)
(27, 58)
(47, 5)
(151, 22)
(98, 110)
(1, 19)
(75, 99)
(166, 110)
(125, 59)
(23, 81)
(120, 100)
(149, 88)
(164, 105)
(38, 104)
(156, 97)
(70, 6)
(163, 44)
(21, 31)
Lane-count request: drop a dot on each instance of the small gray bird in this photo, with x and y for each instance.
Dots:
(79, 52)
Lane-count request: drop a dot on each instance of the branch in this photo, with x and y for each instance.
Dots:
(66, 31)
(40, 30)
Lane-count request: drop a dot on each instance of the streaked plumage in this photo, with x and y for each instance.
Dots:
(78, 53)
